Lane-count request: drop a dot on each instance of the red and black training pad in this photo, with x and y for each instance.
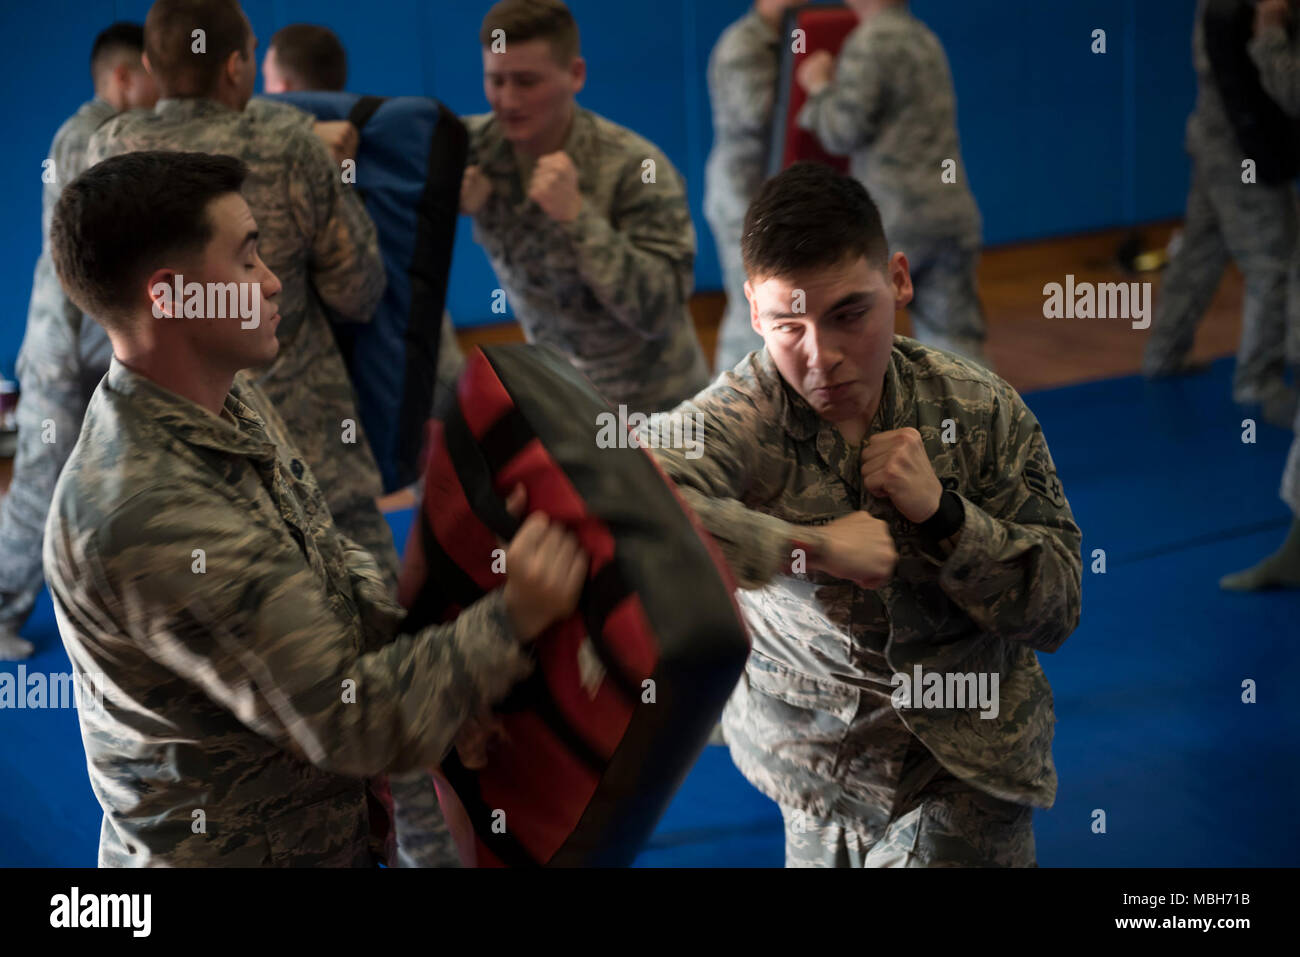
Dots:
(626, 690)
(825, 26)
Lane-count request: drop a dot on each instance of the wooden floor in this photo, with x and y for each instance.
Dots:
(1027, 350)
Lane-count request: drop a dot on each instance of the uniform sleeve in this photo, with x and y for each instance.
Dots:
(257, 633)
(380, 613)
(1016, 570)
(739, 68)
(639, 266)
(1277, 57)
(756, 546)
(346, 268)
(844, 116)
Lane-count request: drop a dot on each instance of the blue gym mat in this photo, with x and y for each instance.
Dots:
(1151, 728)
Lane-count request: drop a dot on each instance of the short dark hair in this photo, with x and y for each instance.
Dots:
(313, 55)
(168, 39)
(119, 220)
(120, 37)
(810, 216)
(524, 20)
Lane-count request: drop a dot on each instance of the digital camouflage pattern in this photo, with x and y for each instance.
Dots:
(892, 110)
(611, 289)
(1276, 53)
(812, 724)
(1227, 220)
(226, 684)
(936, 821)
(742, 87)
(63, 356)
(317, 238)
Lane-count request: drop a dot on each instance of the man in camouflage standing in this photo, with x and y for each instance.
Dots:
(1242, 207)
(246, 650)
(888, 104)
(316, 236)
(742, 88)
(586, 223)
(894, 519)
(1275, 51)
(64, 354)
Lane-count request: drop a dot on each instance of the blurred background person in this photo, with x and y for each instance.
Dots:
(742, 87)
(64, 352)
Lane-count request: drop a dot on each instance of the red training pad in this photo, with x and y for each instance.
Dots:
(825, 28)
(625, 691)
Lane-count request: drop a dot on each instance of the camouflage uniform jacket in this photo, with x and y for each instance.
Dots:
(892, 110)
(226, 684)
(611, 289)
(318, 239)
(811, 724)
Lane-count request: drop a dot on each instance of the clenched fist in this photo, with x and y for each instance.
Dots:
(340, 138)
(475, 188)
(815, 72)
(895, 466)
(1269, 14)
(476, 738)
(554, 187)
(857, 548)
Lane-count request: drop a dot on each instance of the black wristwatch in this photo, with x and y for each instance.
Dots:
(947, 520)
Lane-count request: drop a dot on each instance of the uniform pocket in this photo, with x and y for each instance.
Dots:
(771, 678)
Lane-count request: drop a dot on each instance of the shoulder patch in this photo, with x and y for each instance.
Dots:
(1045, 486)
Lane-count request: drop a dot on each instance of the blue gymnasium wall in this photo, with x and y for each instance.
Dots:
(1056, 139)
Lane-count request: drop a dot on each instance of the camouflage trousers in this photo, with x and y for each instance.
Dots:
(736, 336)
(1230, 221)
(936, 821)
(945, 310)
(58, 370)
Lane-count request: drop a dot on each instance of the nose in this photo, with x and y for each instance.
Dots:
(271, 285)
(822, 349)
(507, 97)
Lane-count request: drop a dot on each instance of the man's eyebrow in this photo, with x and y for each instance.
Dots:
(251, 237)
(851, 299)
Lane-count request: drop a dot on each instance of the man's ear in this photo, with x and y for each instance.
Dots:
(900, 277)
(144, 58)
(160, 287)
(233, 67)
(753, 308)
(578, 74)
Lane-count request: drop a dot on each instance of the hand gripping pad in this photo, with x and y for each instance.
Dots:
(627, 690)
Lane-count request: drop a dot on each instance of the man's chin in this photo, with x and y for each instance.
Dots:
(265, 359)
